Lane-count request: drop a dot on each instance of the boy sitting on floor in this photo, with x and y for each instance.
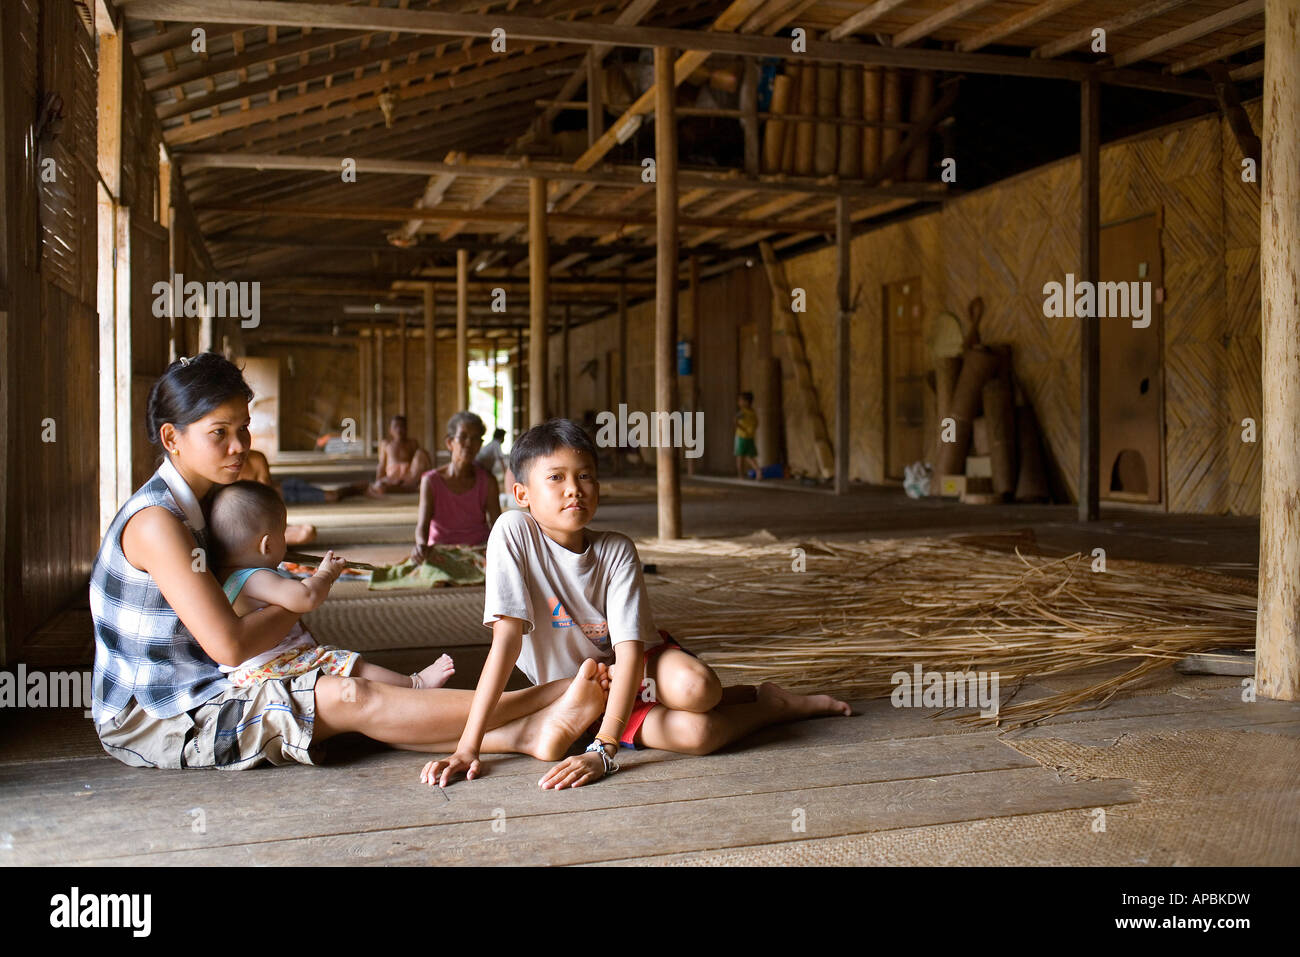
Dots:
(559, 594)
(247, 523)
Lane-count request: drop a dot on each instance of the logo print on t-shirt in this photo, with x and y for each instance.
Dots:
(560, 618)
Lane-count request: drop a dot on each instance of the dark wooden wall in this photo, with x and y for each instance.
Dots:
(49, 520)
(51, 516)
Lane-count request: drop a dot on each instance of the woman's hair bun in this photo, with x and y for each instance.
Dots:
(190, 389)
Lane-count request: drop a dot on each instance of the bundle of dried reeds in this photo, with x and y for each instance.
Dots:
(859, 612)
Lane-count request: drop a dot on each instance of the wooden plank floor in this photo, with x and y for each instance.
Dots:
(883, 770)
(885, 777)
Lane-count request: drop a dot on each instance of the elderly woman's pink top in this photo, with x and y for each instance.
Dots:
(458, 519)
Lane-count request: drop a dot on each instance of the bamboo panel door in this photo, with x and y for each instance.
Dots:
(1131, 402)
(905, 368)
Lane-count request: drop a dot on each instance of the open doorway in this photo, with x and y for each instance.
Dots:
(491, 390)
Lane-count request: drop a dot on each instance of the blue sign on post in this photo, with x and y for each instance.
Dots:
(684, 358)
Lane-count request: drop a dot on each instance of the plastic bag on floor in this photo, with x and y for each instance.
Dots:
(916, 479)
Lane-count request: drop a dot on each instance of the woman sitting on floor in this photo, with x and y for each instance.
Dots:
(458, 502)
(163, 627)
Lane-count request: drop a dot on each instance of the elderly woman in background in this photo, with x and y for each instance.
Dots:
(458, 501)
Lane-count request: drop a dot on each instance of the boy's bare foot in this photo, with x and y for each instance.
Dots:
(437, 674)
(547, 734)
(603, 676)
(801, 705)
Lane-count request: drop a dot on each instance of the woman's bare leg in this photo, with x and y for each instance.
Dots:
(542, 721)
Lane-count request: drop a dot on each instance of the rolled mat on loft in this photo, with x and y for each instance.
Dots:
(869, 610)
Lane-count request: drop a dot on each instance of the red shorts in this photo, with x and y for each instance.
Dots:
(642, 707)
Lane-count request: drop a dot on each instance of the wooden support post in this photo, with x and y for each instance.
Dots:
(670, 506)
(695, 336)
(517, 426)
(749, 114)
(1277, 635)
(166, 219)
(843, 235)
(122, 338)
(109, 164)
(109, 112)
(377, 336)
(365, 356)
(538, 295)
(1235, 113)
(595, 99)
(766, 373)
(566, 397)
(462, 330)
(430, 371)
(401, 364)
(107, 307)
(622, 393)
(493, 346)
(1089, 270)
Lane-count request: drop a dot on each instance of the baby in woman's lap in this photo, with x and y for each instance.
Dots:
(247, 526)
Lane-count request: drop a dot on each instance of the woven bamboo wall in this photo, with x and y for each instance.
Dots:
(1004, 242)
(1241, 323)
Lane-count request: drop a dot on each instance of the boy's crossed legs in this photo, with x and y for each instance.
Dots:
(699, 716)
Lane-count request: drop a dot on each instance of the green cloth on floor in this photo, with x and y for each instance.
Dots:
(446, 565)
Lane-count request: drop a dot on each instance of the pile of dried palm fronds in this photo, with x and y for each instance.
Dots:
(861, 611)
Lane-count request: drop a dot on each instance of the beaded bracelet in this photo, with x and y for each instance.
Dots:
(610, 764)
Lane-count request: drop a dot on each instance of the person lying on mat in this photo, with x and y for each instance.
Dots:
(560, 595)
(258, 469)
(458, 502)
(248, 544)
(164, 628)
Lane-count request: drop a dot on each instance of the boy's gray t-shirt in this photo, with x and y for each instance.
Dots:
(576, 606)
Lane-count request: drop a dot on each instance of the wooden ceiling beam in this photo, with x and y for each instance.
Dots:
(1251, 71)
(427, 247)
(1005, 28)
(629, 16)
(1193, 31)
(503, 168)
(197, 70)
(1222, 52)
(303, 74)
(341, 120)
(701, 42)
(488, 65)
(937, 21)
(1134, 15)
(863, 18)
(400, 214)
(489, 190)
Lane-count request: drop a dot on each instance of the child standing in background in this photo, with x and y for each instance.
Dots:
(746, 426)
